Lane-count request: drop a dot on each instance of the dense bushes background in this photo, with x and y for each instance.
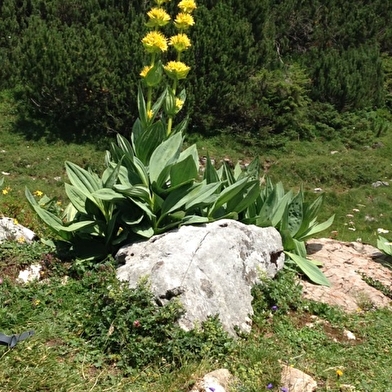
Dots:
(264, 70)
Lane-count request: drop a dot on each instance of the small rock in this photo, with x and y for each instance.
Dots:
(347, 388)
(30, 274)
(296, 380)
(377, 184)
(334, 152)
(349, 335)
(217, 381)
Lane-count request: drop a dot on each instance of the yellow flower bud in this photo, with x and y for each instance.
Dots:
(155, 42)
(160, 2)
(179, 104)
(176, 70)
(183, 21)
(180, 42)
(145, 70)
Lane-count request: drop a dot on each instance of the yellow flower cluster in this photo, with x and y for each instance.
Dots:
(183, 21)
(187, 5)
(155, 42)
(180, 42)
(176, 70)
(158, 17)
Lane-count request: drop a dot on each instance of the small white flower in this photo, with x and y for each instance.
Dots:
(352, 228)
(350, 215)
(382, 231)
(355, 210)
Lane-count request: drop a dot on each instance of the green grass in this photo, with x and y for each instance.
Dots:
(62, 356)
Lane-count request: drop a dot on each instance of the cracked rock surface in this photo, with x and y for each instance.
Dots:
(210, 268)
(343, 264)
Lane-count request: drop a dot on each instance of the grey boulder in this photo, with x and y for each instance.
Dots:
(211, 269)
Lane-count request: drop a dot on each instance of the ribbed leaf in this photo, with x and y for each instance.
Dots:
(139, 191)
(81, 179)
(309, 269)
(108, 194)
(183, 172)
(76, 197)
(165, 154)
(295, 213)
(227, 194)
(110, 175)
(210, 173)
(149, 140)
(316, 229)
(52, 221)
(384, 245)
(124, 144)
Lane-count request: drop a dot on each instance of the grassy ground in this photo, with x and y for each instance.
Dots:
(75, 350)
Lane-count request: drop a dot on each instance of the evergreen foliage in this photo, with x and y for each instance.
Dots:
(78, 63)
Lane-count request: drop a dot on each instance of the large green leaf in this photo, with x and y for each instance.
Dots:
(81, 178)
(124, 144)
(149, 140)
(227, 194)
(249, 197)
(309, 269)
(51, 220)
(384, 245)
(315, 229)
(164, 155)
(310, 212)
(280, 211)
(76, 197)
(210, 173)
(108, 194)
(295, 213)
(139, 191)
(183, 172)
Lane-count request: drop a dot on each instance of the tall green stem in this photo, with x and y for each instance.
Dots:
(149, 89)
(170, 119)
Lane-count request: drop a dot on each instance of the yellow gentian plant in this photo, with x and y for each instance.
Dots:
(155, 44)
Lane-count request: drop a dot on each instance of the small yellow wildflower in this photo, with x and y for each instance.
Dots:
(15, 221)
(58, 203)
(155, 42)
(145, 70)
(339, 373)
(179, 104)
(150, 114)
(176, 70)
(5, 191)
(180, 42)
(187, 5)
(36, 302)
(38, 193)
(21, 240)
(158, 17)
(183, 21)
